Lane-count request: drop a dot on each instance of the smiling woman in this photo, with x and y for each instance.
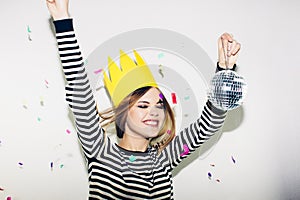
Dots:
(140, 165)
(145, 115)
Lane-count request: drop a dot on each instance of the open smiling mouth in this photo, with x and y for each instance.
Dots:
(150, 122)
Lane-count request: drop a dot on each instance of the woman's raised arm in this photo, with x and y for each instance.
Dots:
(79, 94)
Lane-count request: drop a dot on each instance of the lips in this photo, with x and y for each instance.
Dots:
(151, 122)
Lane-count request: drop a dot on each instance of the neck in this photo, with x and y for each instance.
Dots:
(133, 143)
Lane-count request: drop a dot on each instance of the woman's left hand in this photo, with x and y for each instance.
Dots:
(227, 47)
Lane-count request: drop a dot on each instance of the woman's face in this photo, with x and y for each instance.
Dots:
(146, 117)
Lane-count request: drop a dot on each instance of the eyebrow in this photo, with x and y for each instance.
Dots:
(147, 102)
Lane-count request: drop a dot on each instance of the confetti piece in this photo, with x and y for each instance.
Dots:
(212, 165)
(186, 150)
(161, 96)
(1, 189)
(169, 131)
(186, 97)
(51, 166)
(28, 29)
(68, 131)
(61, 166)
(98, 71)
(132, 158)
(218, 180)
(47, 84)
(25, 104)
(233, 160)
(41, 101)
(174, 98)
(39, 119)
(29, 38)
(8, 198)
(160, 70)
(161, 55)
(20, 164)
(209, 175)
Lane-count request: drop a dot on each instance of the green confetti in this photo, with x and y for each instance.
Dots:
(28, 29)
(186, 97)
(160, 55)
(132, 158)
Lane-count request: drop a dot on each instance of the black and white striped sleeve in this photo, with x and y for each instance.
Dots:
(193, 136)
(79, 94)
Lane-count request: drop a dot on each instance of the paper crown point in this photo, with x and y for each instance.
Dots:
(132, 74)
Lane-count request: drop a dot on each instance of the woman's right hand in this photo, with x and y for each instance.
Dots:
(58, 9)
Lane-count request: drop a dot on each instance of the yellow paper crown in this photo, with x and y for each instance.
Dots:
(131, 76)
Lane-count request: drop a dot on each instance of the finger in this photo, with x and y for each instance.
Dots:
(226, 39)
(231, 47)
(235, 48)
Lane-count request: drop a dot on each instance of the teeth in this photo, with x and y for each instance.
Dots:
(151, 122)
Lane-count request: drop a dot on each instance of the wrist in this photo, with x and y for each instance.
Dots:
(60, 13)
(60, 17)
(221, 67)
(63, 25)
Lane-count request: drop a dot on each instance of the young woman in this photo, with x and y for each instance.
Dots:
(140, 165)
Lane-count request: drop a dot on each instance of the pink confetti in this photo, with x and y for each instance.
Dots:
(98, 71)
(47, 83)
(169, 132)
(8, 198)
(68, 131)
(174, 100)
(186, 150)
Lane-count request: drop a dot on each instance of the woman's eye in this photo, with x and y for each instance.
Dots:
(160, 106)
(142, 106)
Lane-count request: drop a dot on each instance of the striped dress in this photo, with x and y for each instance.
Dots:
(114, 172)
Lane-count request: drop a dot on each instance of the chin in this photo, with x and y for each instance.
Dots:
(152, 133)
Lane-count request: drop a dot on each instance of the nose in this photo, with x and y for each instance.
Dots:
(153, 112)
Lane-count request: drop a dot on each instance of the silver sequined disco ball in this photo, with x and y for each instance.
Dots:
(227, 90)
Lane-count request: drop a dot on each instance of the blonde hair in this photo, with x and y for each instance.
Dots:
(119, 116)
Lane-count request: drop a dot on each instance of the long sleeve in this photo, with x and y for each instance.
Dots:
(79, 94)
(193, 136)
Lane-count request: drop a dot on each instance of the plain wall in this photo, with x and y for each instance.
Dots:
(263, 136)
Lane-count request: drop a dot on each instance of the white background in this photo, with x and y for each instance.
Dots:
(264, 143)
